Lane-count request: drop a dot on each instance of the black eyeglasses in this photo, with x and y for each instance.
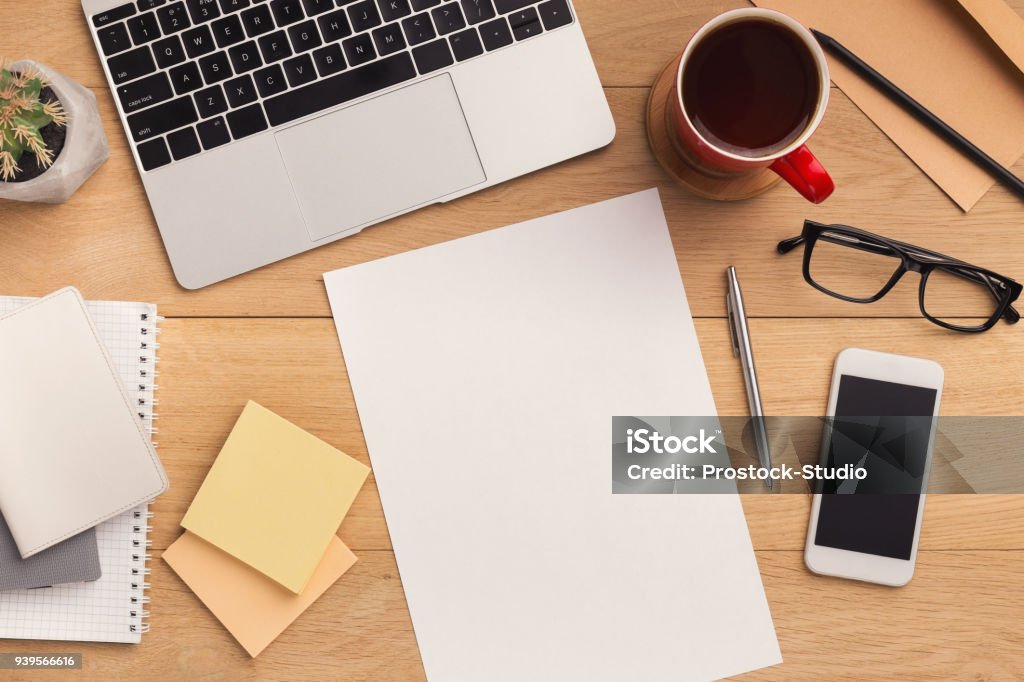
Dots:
(862, 267)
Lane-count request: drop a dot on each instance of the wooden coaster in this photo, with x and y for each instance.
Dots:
(669, 152)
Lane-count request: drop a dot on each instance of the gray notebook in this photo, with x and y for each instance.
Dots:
(75, 560)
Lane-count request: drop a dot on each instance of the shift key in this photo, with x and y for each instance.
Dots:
(161, 119)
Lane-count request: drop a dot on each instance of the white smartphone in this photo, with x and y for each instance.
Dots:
(855, 533)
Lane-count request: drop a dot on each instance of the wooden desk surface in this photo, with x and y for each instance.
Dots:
(268, 336)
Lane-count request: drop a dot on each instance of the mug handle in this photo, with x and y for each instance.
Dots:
(800, 169)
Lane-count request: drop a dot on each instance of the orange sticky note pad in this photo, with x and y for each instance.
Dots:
(253, 608)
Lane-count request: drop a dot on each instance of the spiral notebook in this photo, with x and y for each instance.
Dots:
(113, 608)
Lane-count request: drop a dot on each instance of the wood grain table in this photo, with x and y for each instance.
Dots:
(268, 336)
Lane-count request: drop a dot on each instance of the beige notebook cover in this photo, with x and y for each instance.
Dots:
(98, 462)
(253, 608)
(275, 497)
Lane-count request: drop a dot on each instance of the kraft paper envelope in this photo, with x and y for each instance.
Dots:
(275, 497)
(253, 608)
(963, 61)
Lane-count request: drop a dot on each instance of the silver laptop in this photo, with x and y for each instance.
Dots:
(264, 129)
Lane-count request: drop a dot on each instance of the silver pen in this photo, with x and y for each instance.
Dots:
(740, 336)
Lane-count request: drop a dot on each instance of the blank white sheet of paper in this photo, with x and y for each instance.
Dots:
(486, 372)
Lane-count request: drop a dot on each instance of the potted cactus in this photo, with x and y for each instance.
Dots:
(51, 138)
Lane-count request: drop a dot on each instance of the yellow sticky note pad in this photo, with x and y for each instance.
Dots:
(253, 608)
(275, 497)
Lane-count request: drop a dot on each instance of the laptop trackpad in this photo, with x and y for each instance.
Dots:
(383, 156)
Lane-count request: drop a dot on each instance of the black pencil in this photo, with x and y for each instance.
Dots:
(894, 93)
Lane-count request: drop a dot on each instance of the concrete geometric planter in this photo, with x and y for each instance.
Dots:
(85, 146)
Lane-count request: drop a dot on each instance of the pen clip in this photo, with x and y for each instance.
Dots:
(733, 337)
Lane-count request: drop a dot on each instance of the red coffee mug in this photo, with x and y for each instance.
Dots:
(794, 162)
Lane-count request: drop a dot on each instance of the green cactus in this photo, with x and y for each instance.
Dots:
(22, 116)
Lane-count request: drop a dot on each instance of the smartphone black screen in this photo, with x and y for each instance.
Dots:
(876, 523)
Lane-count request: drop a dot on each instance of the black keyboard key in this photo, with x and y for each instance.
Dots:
(554, 14)
(163, 118)
(168, 52)
(343, 87)
(240, 91)
(144, 5)
(247, 121)
(229, 6)
(257, 21)
(359, 49)
(215, 67)
(245, 57)
(173, 18)
(478, 10)
(154, 154)
(186, 78)
(525, 23)
(286, 11)
(114, 39)
(211, 101)
(183, 143)
(304, 36)
(228, 31)
(213, 133)
(328, 60)
(275, 47)
(112, 15)
(418, 29)
(432, 56)
(198, 41)
(315, 7)
(334, 26)
(270, 81)
(506, 6)
(144, 92)
(419, 5)
(394, 9)
(144, 28)
(130, 65)
(466, 44)
(448, 18)
(388, 39)
(495, 34)
(202, 10)
(364, 15)
(299, 70)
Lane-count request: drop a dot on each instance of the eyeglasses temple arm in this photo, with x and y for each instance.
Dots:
(852, 241)
(787, 245)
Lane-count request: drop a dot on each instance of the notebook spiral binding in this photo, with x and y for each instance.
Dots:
(149, 332)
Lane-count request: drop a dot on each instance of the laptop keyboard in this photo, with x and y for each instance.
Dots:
(192, 75)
